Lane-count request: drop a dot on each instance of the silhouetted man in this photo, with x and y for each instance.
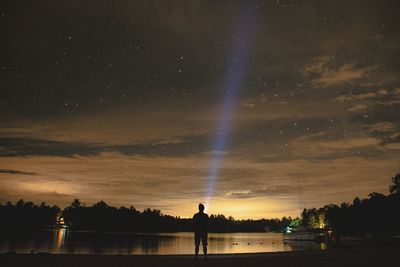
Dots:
(200, 220)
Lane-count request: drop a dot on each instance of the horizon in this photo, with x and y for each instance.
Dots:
(259, 109)
(85, 204)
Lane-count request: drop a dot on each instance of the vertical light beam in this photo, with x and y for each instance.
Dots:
(231, 89)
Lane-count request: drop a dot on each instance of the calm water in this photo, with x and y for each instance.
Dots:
(64, 241)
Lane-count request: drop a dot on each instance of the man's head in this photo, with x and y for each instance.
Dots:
(201, 207)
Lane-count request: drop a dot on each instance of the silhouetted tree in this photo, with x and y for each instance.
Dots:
(101, 217)
(395, 187)
(27, 215)
(377, 214)
(76, 203)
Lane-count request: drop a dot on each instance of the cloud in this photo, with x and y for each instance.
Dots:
(344, 74)
(396, 92)
(394, 146)
(358, 107)
(320, 146)
(259, 130)
(165, 122)
(383, 91)
(274, 190)
(368, 99)
(343, 98)
(25, 146)
(248, 104)
(52, 198)
(239, 194)
(318, 64)
(16, 172)
(363, 96)
(382, 127)
(349, 143)
(177, 184)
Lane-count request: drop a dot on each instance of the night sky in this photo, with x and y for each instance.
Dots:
(124, 101)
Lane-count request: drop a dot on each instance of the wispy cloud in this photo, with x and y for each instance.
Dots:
(343, 74)
(363, 101)
(325, 74)
(363, 96)
(382, 127)
(320, 145)
(394, 146)
(358, 107)
(16, 172)
(25, 146)
(318, 64)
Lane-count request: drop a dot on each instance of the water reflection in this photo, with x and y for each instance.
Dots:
(59, 236)
(64, 241)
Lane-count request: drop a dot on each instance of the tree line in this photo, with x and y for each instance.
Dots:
(378, 214)
(102, 217)
(27, 215)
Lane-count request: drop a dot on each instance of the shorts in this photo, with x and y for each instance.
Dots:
(200, 236)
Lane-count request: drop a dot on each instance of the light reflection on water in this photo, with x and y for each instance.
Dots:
(64, 241)
(59, 237)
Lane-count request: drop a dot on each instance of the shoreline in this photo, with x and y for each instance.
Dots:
(369, 256)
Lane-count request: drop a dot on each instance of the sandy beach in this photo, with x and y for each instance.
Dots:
(382, 256)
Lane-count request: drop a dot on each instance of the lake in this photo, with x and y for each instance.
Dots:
(65, 241)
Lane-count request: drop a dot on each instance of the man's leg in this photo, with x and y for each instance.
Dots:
(196, 244)
(204, 242)
(205, 250)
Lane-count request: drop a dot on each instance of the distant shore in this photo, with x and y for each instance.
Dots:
(371, 256)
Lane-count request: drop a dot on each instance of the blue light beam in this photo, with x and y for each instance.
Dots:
(231, 89)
